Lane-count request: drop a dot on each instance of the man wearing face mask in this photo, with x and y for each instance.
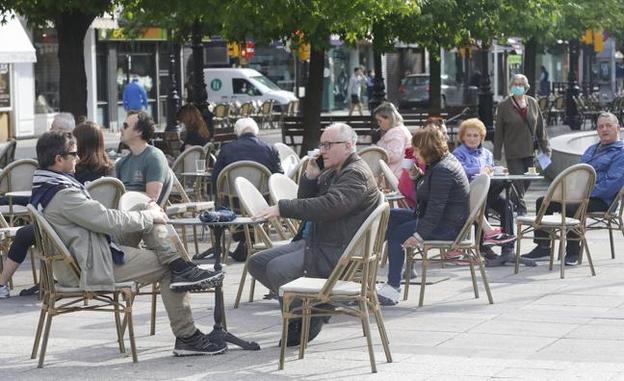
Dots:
(520, 131)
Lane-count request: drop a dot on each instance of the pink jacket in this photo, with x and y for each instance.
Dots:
(395, 141)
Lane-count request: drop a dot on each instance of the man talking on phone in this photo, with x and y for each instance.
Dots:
(333, 203)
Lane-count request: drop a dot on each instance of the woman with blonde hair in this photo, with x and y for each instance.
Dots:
(195, 130)
(441, 209)
(477, 159)
(396, 137)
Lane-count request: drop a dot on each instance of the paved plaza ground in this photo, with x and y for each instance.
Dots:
(540, 327)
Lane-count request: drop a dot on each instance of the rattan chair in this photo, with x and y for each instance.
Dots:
(7, 234)
(17, 176)
(282, 187)
(391, 183)
(284, 151)
(464, 242)
(350, 289)
(298, 171)
(61, 293)
(372, 155)
(611, 219)
(107, 191)
(266, 114)
(186, 162)
(221, 115)
(252, 203)
(571, 187)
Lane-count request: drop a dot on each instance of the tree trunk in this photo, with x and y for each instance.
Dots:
(530, 56)
(71, 28)
(435, 84)
(312, 101)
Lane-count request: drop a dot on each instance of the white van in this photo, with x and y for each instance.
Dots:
(225, 85)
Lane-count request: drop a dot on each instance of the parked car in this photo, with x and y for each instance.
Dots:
(414, 92)
(225, 85)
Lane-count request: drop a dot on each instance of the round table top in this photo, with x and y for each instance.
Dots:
(197, 221)
(517, 177)
(25, 193)
(198, 174)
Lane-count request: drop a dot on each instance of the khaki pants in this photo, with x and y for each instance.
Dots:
(150, 265)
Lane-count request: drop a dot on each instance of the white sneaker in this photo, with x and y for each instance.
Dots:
(388, 295)
(4, 291)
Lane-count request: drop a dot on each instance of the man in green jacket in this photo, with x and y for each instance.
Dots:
(95, 237)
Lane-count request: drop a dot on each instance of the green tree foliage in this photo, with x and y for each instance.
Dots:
(71, 18)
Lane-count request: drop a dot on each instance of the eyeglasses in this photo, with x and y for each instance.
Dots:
(71, 153)
(327, 145)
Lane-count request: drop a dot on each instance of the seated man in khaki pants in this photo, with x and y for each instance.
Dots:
(95, 236)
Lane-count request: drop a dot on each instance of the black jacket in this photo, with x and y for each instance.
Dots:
(442, 200)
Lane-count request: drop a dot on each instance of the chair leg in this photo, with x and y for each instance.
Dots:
(409, 265)
(195, 239)
(486, 283)
(120, 340)
(562, 245)
(305, 328)
(369, 341)
(155, 292)
(473, 275)
(33, 265)
(241, 285)
(384, 254)
(610, 227)
(382, 329)
(42, 319)
(518, 242)
(184, 239)
(44, 342)
(128, 317)
(589, 258)
(423, 279)
(552, 253)
(252, 289)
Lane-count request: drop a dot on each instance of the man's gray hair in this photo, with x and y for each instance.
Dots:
(522, 78)
(63, 122)
(608, 115)
(345, 133)
(245, 125)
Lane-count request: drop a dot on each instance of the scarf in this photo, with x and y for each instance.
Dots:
(47, 183)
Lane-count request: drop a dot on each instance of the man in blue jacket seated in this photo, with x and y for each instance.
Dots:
(607, 158)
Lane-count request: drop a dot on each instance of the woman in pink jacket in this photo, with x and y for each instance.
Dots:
(395, 136)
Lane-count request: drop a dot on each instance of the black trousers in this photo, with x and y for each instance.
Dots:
(572, 247)
(520, 167)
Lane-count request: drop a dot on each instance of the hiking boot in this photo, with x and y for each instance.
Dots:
(538, 252)
(198, 344)
(488, 253)
(294, 330)
(4, 291)
(571, 259)
(388, 295)
(194, 278)
(240, 253)
(498, 239)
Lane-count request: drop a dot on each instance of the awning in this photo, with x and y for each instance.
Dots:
(16, 46)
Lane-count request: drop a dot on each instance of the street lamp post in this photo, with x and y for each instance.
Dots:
(572, 118)
(199, 94)
(379, 89)
(173, 99)
(486, 98)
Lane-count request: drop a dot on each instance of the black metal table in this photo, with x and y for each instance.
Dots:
(220, 333)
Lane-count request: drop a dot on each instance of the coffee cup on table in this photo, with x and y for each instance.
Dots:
(532, 170)
(499, 170)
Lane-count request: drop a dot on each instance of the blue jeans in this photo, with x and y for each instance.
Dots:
(401, 226)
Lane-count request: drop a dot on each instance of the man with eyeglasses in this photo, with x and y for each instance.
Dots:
(145, 169)
(333, 202)
(99, 240)
(607, 159)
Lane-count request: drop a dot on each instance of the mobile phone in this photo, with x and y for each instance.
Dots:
(320, 163)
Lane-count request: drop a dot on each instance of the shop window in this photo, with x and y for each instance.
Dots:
(47, 71)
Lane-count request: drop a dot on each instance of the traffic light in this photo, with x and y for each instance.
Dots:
(233, 49)
(598, 41)
(304, 52)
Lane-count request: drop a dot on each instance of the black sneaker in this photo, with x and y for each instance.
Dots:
(196, 345)
(194, 278)
(571, 259)
(538, 252)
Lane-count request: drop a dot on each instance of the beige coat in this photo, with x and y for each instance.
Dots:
(512, 132)
(82, 225)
